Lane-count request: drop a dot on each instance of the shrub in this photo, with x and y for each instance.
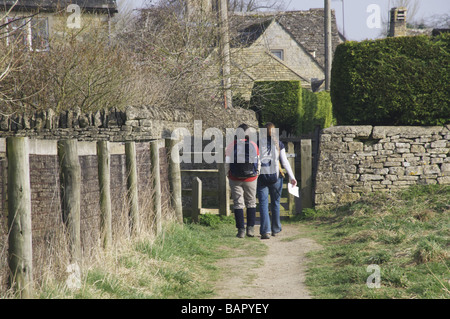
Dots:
(290, 107)
(393, 81)
(214, 221)
(317, 111)
(279, 102)
(148, 59)
(80, 70)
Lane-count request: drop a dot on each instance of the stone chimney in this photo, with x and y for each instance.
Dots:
(398, 22)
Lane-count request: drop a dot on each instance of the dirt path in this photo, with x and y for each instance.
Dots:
(279, 274)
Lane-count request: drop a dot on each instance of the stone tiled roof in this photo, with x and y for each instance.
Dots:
(305, 27)
(256, 65)
(261, 65)
(49, 5)
(247, 33)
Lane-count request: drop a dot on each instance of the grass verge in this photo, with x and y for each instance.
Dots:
(402, 239)
(179, 264)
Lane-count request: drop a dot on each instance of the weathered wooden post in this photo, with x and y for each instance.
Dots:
(132, 186)
(154, 157)
(19, 217)
(224, 190)
(70, 180)
(291, 160)
(306, 174)
(196, 199)
(104, 180)
(175, 177)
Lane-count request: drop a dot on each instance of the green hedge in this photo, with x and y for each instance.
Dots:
(393, 81)
(290, 107)
(278, 102)
(318, 111)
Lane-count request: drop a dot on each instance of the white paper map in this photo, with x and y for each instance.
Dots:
(293, 190)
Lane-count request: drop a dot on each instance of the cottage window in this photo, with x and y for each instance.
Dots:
(16, 31)
(278, 53)
(32, 33)
(39, 34)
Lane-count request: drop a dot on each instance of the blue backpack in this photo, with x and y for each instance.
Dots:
(245, 160)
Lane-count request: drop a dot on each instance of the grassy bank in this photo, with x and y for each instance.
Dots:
(405, 236)
(180, 264)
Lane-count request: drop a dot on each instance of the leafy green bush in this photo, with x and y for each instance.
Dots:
(317, 111)
(393, 81)
(214, 221)
(290, 107)
(278, 102)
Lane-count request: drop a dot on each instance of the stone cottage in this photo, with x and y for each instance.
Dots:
(266, 46)
(34, 22)
(279, 46)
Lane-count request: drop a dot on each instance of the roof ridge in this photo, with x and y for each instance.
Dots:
(308, 53)
(274, 13)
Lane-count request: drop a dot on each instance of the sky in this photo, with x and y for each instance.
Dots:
(357, 19)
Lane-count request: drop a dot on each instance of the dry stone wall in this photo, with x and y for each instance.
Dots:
(132, 124)
(362, 159)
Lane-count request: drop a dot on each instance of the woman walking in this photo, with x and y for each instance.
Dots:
(270, 182)
(242, 165)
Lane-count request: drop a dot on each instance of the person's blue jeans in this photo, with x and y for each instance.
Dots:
(268, 224)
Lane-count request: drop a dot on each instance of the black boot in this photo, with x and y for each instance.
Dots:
(251, 216)
(239, 216)
(241, 233)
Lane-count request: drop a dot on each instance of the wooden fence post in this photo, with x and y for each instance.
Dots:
(154, 157)
(291, 160)
(196, 199)
(104, 180)
(70, 180)
(132, 186)
(224, 190)
(306, 174)
(175, 177)
(19, 217)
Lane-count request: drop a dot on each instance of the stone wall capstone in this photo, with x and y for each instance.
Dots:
(141, 123)
(361, 159)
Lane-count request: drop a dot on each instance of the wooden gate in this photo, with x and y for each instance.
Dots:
(300, 158)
